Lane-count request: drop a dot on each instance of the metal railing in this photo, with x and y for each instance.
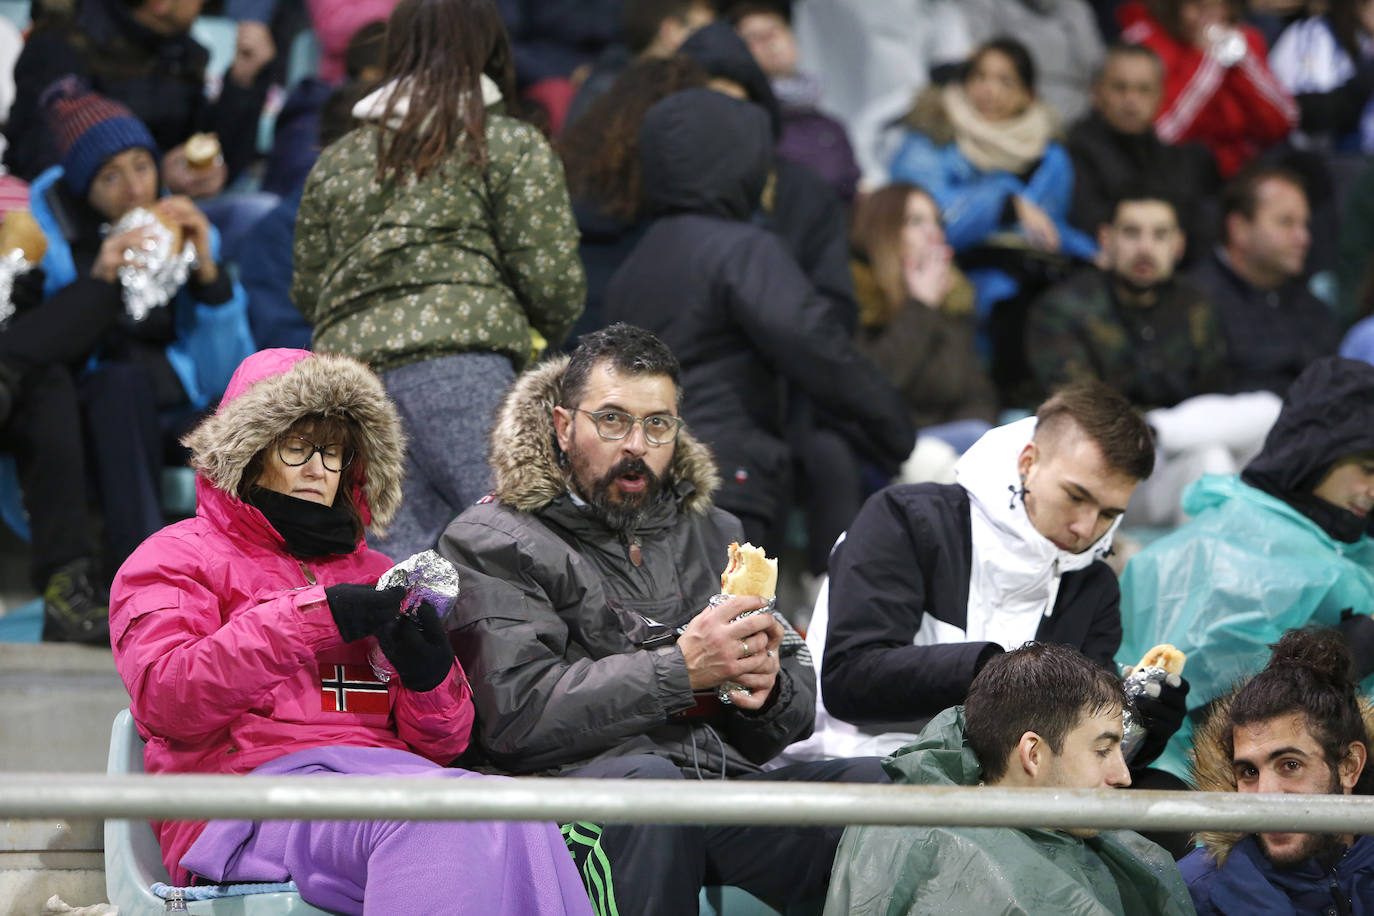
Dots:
(196, 797)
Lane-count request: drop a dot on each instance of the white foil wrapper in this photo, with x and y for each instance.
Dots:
(724, 690)
(12, 264)
(154, 272)
(1135, 685)
(427, 577)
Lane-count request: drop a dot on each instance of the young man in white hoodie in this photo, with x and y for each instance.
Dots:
(931, 581)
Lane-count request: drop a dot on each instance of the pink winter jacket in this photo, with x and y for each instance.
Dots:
(231, 657)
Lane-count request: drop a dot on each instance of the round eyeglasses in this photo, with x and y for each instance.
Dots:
(613, 425)
(296, 451)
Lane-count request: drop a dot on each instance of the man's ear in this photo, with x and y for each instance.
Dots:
(1352, 765)
(562, 426)
(1104, 235)
(1030, 755)
(1028, 456)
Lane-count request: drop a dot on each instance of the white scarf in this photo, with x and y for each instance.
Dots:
(371, 107)
(1016, 570)
(1013, 145)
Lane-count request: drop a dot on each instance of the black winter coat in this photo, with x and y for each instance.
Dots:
(910, 553)
(730, 300)
(161, 78)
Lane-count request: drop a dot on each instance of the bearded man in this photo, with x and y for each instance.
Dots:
(1133, 323)
(585, 625)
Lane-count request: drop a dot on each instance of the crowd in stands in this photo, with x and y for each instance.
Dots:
(950, 304)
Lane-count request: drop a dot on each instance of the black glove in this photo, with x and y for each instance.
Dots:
(417, 647)
(1358, 630)
(1160, 716)
(361, 610)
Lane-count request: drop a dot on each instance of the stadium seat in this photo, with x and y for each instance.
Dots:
(133, 862)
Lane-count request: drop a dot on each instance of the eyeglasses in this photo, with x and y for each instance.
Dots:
(295, 451)
(613, 425)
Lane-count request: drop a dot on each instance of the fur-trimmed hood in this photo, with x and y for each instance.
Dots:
(271, 390)
(525, 455)
(1211, 766)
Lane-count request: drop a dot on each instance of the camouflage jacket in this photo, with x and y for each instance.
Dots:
(1156, 355)
(464, 260)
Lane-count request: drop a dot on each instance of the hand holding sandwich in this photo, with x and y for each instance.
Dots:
(718, 648)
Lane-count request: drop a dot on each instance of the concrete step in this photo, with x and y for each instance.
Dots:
(56, 705)
(42, 858)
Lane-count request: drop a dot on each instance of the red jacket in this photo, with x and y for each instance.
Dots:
(228, 650)
(1236, 112)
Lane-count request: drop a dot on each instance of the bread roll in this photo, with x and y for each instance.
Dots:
(1164, 656)
(173, 227)
(201, 151)
(749, 572)
(20, 230)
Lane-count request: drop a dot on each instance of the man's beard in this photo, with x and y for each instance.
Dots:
(626, 514)
(1324, 847)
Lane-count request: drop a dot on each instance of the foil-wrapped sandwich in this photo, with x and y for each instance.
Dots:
(22, 246)
(152, 274)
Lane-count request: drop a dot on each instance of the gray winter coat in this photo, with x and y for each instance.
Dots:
(552, 613)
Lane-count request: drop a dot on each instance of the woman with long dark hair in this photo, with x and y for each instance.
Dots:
(432, 240)
(253, 638)
(916, 315)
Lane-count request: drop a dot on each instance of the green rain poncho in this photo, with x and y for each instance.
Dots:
(993, 871)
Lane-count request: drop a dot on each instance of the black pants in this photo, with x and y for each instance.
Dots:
(133, 421)
(659, 869)
(44, 434)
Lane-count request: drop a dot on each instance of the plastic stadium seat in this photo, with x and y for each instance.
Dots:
(133, 862)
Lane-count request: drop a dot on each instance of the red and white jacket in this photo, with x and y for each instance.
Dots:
(1236, 111)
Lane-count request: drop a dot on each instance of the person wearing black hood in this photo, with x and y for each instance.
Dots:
(799, 205)
(737, 310)
(1284, 544)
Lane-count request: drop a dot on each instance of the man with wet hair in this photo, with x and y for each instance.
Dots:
(1299, 726)
(1041, 716)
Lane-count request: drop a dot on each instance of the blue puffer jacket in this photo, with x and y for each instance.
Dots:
(972, 201)
(211, 340)
(1248, 884)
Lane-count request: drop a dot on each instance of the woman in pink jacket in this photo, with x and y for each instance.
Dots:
(251, 638)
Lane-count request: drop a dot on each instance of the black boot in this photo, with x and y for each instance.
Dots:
(73, 610)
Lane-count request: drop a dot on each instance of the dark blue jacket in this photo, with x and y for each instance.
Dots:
(1249, 885)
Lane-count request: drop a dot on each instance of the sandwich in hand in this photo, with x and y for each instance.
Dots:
(750, 572)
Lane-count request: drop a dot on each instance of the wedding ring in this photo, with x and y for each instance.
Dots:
(744, 644)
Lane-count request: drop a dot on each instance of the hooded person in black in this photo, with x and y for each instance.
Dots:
(738, 312)
(1327, 420)
(799, 205)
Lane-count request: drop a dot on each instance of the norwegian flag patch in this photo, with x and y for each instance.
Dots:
(352, 688)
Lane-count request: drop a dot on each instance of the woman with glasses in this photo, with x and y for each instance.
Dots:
(252, 638)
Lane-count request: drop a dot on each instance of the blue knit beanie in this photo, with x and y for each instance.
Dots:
(89, 129)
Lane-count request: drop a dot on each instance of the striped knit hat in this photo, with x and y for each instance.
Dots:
(89, 129)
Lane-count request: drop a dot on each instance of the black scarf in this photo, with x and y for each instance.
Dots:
(1339, 523)
(309, 529)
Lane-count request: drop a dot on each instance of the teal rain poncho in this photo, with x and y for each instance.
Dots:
(990, 871)
(1227, 584)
